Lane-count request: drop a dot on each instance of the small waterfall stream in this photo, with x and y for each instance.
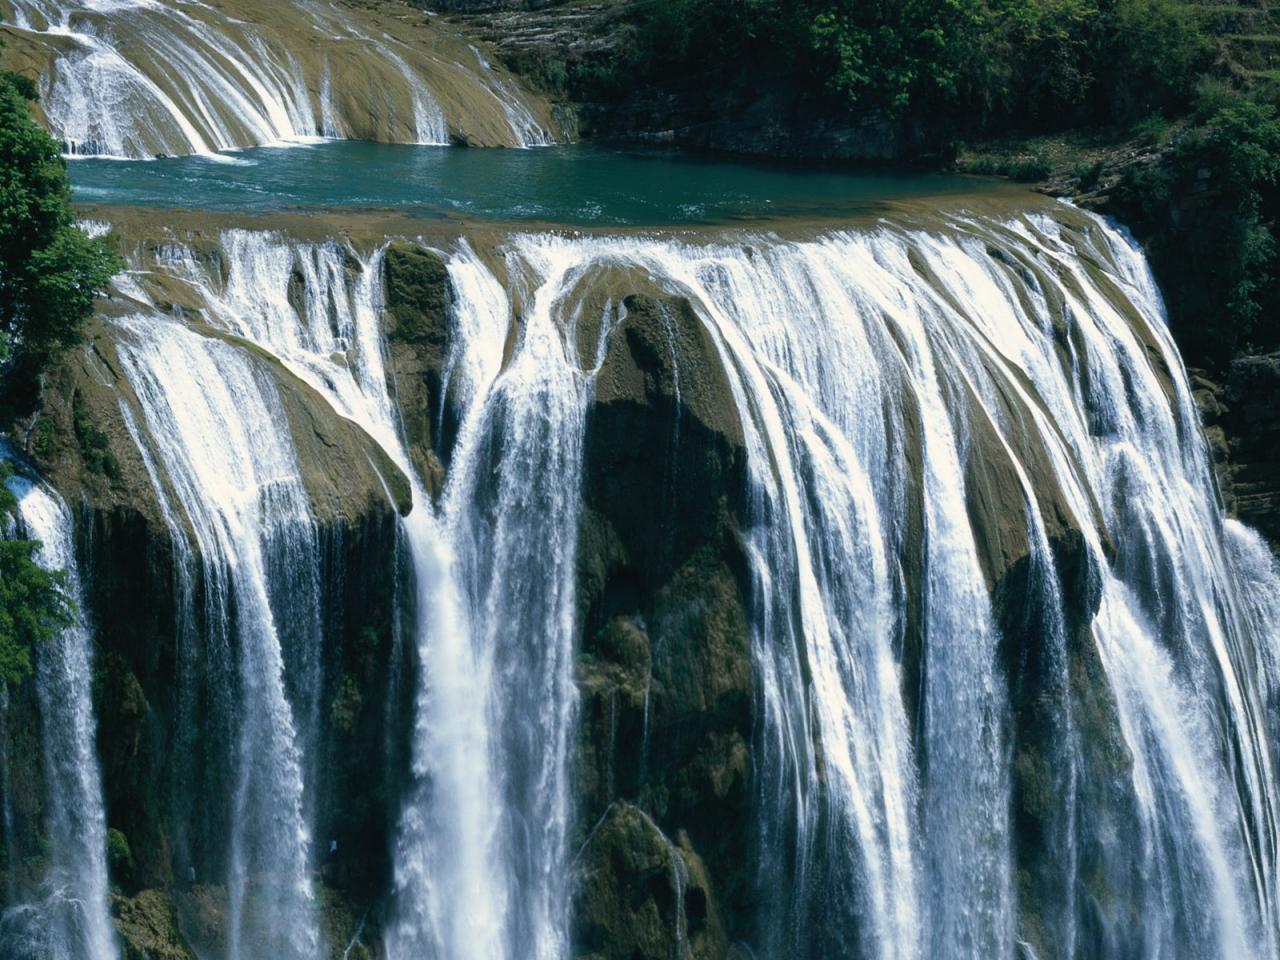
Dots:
(214, 419)
(70, 921)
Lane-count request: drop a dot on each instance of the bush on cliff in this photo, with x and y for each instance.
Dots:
(1209, 214)
(50, 270)
(33, 601)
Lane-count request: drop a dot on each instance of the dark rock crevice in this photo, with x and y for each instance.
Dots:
(1242, 427)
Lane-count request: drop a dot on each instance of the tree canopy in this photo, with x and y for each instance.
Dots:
(50, 270)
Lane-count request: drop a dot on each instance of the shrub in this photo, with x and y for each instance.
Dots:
(50, 271)
(95, 448)
(119, 855)
(33, 601)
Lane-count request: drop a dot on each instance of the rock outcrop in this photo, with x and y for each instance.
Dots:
(417, 300)
(1242, 426)
(665, 663)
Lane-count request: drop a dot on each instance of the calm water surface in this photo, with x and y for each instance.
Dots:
(576, 184)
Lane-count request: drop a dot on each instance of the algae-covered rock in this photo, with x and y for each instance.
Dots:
(642, 896)
(418, 299)
(665, 663)
(417, 295)
(147, 925)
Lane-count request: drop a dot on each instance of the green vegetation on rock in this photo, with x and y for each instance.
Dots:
(50, 270)
(50, 274)
(119, 854)
(416, 292)
(33, 601)
(94, 445)
(1208, 213)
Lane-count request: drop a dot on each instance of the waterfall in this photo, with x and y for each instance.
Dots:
(70, 922)
(510, 507)
(479, 856)
(139, 78)
(1016, 677)
(214, 421)
(863, 363)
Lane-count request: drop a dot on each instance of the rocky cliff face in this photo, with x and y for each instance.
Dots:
(1242, 424)
(665, 665)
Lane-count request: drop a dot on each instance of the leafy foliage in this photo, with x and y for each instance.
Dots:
(1210, 213)
(33, 601)
(50, 271)
(996, 64)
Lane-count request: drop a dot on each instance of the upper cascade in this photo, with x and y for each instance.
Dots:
(145, 78)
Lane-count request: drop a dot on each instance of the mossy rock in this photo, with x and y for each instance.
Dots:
(417, 295)
(148, 927)
(418, 299)
(643, 896)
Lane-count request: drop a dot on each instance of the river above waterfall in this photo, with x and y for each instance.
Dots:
(577, 184)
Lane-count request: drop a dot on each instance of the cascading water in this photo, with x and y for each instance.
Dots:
(479, 868)
(862, 364)
(930, 413)
(70, 921)
(140, 78)
(213, 419)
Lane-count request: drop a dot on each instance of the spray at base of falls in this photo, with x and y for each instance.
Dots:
(1015, 677)
(71, 921)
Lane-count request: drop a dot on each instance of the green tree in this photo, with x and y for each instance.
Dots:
(897, 54)
(50, 273)
(1210, 216)
(33, 601)
(50, 270)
